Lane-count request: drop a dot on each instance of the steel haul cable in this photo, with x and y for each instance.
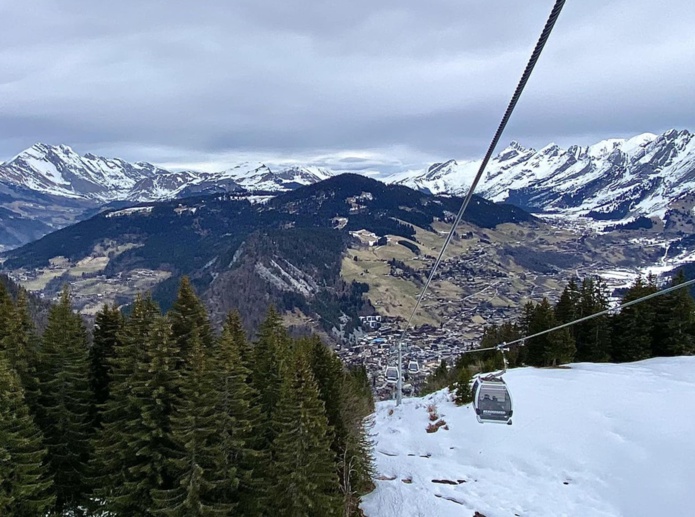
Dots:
(554, 14)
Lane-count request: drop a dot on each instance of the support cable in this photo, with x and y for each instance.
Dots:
(554, 14)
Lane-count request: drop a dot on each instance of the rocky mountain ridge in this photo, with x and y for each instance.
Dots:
(614, 179)
(44, 188)
(60, 171)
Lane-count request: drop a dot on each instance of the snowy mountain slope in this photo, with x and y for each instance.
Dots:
(594, 440)
(613, 179)
(45, 187)
(260, 177)
(60, 171)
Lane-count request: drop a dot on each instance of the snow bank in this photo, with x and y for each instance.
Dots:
(593, 440)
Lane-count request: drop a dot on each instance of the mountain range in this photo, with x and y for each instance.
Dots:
(45, 187)
(613, 179)
(61, 172)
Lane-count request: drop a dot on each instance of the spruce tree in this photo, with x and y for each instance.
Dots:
(633, 326)
(65, 402)
(461, 388)
(526, 318)
(107, 326)
(20, 344)
(6, 311)
(112, 456)
(346, 405)
(146, 438)
(593, 337)
(26, 488)
(306, 482)
(134, 441)
(539, 318)
(674, 326)
(200, 471)
(549, 349)
(240, 424)
(186, 314)
(328, 373)
(234, 327)
(567, 307)
(270, 355)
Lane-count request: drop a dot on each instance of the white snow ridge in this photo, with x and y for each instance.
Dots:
(593, 440)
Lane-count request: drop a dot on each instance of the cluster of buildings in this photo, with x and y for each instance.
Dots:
(422, 351)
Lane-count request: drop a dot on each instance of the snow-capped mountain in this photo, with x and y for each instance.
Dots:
(617, 179)
(612, 179)
(45, 188)
(60, 171)
(260, 177)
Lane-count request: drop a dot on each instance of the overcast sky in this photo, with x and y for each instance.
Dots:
(379, 84)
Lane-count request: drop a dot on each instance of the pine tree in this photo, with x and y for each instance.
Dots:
(270, 353)
(240, 424)
(107, 326)
(6, 311)
(567, 308)
(593, 337)
(461, 388)
(674, 328)
(186, 314)
(199, 469)
(633, 326)
(20, 345)
(306, 483)
(26, 488)
(146, 438)
(549, 349)
(65, 402)
(112, 455)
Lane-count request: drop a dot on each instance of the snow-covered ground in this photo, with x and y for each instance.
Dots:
(593, 440)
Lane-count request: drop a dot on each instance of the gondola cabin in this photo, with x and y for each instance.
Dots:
(413, 367)
(391, 374)
(492, 400)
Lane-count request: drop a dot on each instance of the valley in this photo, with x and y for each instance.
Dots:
(328, 249)
(487, 275)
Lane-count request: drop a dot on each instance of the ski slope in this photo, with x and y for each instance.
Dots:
(595, 440)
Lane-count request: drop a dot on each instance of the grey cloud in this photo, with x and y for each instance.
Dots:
(403, 82)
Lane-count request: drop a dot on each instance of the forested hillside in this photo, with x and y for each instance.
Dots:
(663, 326)
(161, 416)
(237, 254)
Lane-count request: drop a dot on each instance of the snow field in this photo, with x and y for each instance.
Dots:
(592, 440)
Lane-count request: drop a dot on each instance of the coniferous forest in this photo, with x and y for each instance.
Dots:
(660, 327)
(157, 414)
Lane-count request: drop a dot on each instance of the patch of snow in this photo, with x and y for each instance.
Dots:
(130, 211)
(600, 440)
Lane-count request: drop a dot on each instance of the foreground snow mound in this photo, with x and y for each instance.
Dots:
(589, 440)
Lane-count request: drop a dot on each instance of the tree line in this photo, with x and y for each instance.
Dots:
(661, 326)
(159, 415)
